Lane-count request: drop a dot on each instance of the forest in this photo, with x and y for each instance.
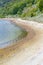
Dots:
(21, 8)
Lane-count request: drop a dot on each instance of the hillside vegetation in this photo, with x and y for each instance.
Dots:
(21, 8)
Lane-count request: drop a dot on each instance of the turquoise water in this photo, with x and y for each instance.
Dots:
(9, 32)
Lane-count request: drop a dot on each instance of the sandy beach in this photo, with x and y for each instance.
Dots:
(27, 51)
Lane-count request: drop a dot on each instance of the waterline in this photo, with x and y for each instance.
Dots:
(9, 33)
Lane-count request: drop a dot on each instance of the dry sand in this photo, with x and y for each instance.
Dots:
(29, 50)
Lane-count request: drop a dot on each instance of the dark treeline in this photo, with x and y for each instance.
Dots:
(21, 8)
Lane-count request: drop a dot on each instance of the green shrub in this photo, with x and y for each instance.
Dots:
(41, 5)
(22, 8)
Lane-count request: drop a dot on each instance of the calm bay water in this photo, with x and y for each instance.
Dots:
(9, 32)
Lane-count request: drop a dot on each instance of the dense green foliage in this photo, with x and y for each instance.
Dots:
(20, 8)
(41, 5)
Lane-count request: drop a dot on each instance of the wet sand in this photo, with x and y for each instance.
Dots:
(27, 51)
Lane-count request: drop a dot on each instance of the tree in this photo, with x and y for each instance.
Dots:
(41, 5)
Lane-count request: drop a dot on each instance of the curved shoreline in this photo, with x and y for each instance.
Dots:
(28, 47)
(11, 49)
(14, 37)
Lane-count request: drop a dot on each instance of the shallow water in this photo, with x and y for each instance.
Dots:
(9, 33)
